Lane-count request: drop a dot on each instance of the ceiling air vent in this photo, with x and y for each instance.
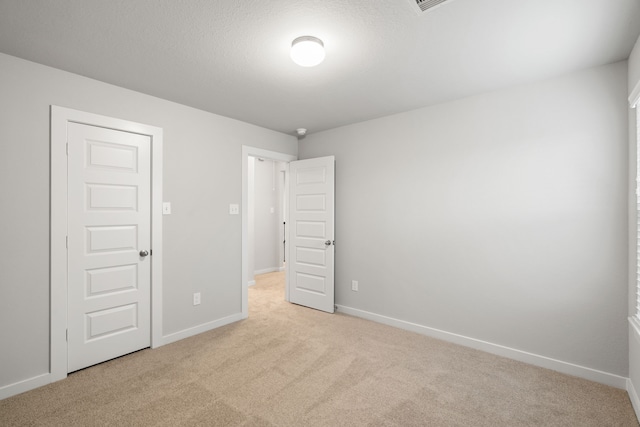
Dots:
(426, 5)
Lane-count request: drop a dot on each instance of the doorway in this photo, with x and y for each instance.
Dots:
(104, 155)
(310, 248)
(250, 155)
(266, 216)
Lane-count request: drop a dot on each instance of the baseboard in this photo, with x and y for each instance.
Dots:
(281, 269)
(24, 385)
(177, 336)
(251, 282)
(44, 379)
(267, 270)
(511, 353)
(633, 396)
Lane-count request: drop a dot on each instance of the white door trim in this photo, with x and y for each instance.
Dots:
(247, 152)
(60, 116)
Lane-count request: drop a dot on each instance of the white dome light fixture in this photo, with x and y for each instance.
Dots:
(307, 51)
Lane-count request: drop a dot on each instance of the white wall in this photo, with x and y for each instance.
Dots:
(500, 217)
(267, 229)
(202, 175)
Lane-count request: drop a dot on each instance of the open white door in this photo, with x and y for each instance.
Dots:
(311, 248)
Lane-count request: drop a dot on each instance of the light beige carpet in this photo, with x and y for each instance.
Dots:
(292, 366)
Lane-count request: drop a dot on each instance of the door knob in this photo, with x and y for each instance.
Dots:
(328, 243)
(144, 253)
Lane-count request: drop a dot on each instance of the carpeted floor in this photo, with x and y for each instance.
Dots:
(292, 366)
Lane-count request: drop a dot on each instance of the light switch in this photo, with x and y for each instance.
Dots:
(234, 209)
(166, 208)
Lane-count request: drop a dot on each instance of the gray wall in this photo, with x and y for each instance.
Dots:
(500, 217)
(202, 175)
(267, 196)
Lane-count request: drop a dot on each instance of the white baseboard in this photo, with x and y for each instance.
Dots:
(177, 336)
(44, 379)
(533, 359)
(268, 270)
(24, 385)
(251, 282)
(282, 268)
(511, 353)
(633, 396)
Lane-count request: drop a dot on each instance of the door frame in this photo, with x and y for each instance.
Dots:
(60, 116)
(248, 151)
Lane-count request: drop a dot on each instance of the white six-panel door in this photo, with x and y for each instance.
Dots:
(109, 231)
(311, 215)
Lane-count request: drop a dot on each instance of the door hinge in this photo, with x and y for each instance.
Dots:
(66, 242)
(67, 149)
(66, 335)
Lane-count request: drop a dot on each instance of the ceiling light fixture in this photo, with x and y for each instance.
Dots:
(307, 51)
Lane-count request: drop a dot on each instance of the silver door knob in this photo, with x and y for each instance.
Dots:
(144, 253)
(328, 243)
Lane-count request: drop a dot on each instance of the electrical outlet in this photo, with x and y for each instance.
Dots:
(196, 298)
(166, 208)
(234, 209)
(354, 285)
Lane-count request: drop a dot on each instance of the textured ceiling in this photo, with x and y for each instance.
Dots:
(231, 57)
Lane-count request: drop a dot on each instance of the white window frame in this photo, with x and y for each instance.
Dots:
(634, 319)
(636, 316)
